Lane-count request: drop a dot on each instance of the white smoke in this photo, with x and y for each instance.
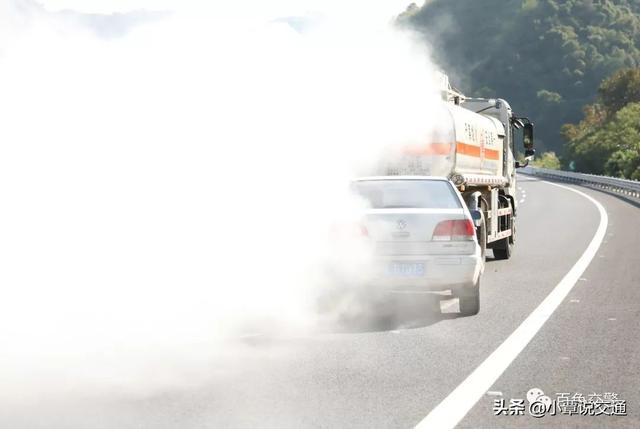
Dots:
(172, 186)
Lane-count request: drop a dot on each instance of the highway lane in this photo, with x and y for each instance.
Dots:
(393, 377)
(590, 344)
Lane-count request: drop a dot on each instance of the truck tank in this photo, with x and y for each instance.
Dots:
(460, 142)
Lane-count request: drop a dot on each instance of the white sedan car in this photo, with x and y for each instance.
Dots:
(422, 237)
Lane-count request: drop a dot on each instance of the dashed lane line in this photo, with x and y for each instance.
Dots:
(458, 403)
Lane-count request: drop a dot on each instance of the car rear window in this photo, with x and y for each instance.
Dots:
(419, 194)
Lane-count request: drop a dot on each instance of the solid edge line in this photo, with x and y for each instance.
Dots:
(459, 402)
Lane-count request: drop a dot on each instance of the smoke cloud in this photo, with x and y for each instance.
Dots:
(170, 185)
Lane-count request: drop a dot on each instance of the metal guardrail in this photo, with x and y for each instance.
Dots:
(622, 186)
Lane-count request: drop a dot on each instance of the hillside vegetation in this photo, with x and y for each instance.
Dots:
(607, 140)
(547, 58)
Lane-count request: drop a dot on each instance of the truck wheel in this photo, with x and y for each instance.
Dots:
(469, 301)
(502, 249)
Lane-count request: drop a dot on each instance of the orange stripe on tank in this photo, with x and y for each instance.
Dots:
(492, 154)
(428, 149)
(445, 149)
(472, 150)
(468, 149)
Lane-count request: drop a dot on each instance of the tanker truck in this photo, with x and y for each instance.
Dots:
(472, 143)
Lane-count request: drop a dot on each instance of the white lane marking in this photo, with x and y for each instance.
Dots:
(574, 300)
(522, 201)
(455, 406)
(494, 393)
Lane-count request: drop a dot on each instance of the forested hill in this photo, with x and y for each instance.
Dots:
(546, 57)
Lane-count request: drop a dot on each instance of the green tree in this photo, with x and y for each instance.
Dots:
(547, 160)
(610, 146)
(620, 89)
(545, 57)
(549, 96)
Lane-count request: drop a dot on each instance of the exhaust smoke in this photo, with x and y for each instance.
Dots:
(170, 185)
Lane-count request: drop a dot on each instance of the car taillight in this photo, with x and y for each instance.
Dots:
(454, 230)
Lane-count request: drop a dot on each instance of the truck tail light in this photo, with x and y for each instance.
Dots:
(454, 230)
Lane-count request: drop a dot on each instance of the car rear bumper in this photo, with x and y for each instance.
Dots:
(441, 272)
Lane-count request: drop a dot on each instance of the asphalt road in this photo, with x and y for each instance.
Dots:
(395, 374)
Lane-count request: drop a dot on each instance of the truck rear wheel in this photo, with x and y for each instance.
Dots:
(502, 248)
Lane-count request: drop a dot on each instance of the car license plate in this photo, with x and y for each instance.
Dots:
(406, 269)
